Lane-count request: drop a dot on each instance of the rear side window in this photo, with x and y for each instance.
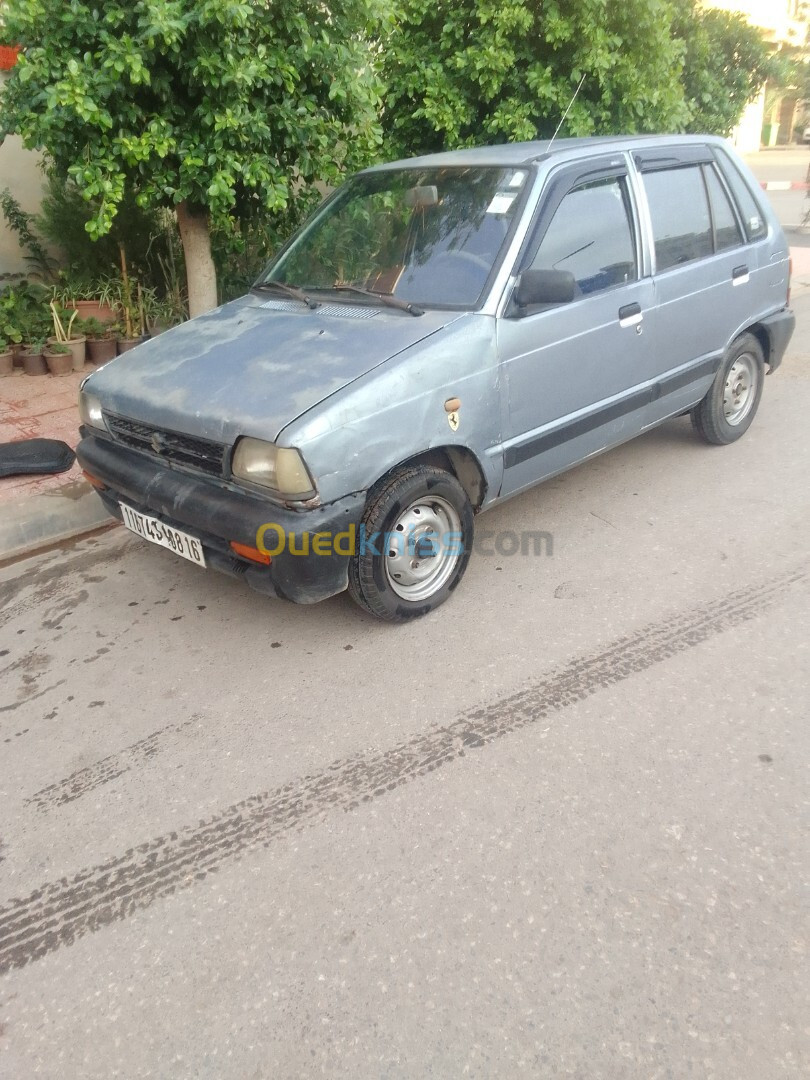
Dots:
(591, 236)
(754, 222)
(726, 230)
(679, 209)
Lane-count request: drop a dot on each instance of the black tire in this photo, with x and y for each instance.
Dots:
(713, 418)
(410, 492)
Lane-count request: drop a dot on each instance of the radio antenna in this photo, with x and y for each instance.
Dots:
(565, 114)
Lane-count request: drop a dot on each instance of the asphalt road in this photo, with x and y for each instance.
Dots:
(786, 166)
(553, 830)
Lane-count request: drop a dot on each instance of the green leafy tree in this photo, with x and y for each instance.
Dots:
(217, 108)
(460, 72)
(726, 63)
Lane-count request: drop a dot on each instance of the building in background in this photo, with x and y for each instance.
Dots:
(771, 119)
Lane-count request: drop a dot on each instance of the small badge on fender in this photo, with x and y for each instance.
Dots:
(451, 407)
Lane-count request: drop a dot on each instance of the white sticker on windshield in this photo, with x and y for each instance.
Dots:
(517, 179)
(500, 203)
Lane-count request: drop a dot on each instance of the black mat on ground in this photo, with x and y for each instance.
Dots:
(35, 456)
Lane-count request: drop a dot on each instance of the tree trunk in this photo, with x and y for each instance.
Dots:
(201, 274)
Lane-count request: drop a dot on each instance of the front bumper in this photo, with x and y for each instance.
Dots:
(217, 514)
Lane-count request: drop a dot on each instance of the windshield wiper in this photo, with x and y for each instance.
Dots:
(389, 301)
(291, 290)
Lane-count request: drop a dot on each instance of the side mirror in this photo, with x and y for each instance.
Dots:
(545, 287)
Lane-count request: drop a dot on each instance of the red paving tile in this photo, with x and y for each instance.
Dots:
(39, 407)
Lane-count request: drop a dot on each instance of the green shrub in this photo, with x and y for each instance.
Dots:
(146, 235)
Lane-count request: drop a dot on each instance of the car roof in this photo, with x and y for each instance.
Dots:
(527, 153)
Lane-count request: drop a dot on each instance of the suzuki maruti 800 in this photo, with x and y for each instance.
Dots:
(442, 334)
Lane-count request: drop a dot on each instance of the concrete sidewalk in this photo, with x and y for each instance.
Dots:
(801, 267)
(39, 510)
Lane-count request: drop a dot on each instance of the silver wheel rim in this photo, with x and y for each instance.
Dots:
(740, 389)
(423, 548)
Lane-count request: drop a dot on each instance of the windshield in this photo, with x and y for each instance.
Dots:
(424, 236)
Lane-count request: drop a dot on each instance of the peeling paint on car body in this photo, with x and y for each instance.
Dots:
(249, 369)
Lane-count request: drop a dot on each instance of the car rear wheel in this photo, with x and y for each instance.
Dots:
(727, 411)
(414, 544)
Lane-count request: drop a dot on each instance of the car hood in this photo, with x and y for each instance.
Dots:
(255, 365)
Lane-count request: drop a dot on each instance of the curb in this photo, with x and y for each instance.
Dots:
(35, 521)
(784, 185)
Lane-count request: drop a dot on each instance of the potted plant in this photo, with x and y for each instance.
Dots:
(6, 358)
(131, 305)
(92, 300)
(161, 315)
(12, 305)
(35, 325)
(63, 335)
(101, 344)
(34, 356)
(59, 358)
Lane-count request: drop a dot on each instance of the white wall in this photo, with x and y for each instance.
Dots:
(20, 174)
(747, 134)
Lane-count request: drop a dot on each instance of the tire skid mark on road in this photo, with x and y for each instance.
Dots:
(34, 588)
(32, 695)
(60, 912)
(86, 780)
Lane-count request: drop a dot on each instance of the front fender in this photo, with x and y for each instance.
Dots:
(398, 411)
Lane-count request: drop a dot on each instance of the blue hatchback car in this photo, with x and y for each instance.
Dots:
(442, 334)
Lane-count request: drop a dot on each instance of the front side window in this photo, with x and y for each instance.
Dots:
(682, 227)
(591, 236)
(425, 236)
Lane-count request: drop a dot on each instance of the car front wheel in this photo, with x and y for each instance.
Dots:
(414, 544)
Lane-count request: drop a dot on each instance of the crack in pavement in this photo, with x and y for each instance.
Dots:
(60, 912)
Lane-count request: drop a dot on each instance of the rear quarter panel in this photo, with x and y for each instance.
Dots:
(769, 257)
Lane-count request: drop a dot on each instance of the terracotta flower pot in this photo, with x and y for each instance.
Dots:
(59, 363)
(157, 327)
(6, 363)
(93, 309)
(78, 350)
(100, 350)
(34, 363)
(125, 344)
(8, 56)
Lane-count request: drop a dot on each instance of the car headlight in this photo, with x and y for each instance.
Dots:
(90, 411)
(280, 468)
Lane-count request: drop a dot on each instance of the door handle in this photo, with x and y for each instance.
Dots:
(630, 315)
(740, 275)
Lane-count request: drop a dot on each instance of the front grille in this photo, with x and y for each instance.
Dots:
(168, 446)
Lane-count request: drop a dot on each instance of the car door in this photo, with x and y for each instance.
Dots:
(701, 272)
(572, 374)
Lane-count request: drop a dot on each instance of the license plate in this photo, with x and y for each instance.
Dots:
(158, 532)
